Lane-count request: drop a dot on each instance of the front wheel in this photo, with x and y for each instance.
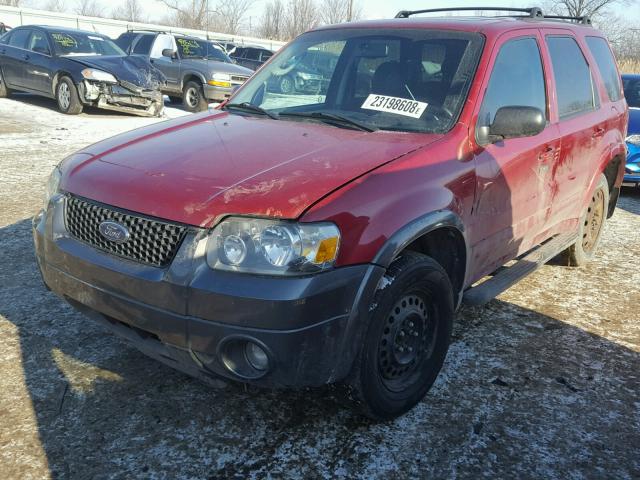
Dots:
(591, 226)
(286, 85)
(67, 97)
(407, 338)
(193, 97)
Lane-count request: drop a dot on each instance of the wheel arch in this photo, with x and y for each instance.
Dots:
(441, 236)
(56, 78)
(192, 76)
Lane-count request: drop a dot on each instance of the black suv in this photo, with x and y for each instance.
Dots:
(198, 71)
(251, 57)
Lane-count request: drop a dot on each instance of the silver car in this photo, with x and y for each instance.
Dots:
(198, 71)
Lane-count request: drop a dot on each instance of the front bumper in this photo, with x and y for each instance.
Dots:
(191, 317)
(123, 97)
(217, 94)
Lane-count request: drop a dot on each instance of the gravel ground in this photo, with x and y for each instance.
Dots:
(543, 382)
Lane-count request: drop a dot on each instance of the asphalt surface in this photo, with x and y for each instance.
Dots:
(543, 382)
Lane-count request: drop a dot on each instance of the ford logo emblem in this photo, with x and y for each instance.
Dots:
(114, 232)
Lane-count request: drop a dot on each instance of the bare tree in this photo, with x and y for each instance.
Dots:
(340, 11)
(55, 6)
(12, 3)
(89, 8)
(131, 11)
(302, 15)
(580, 8)
(190, 13)
(273, 20)
(230, 14)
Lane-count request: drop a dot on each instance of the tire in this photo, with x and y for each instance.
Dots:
(407, 339)
(4, 90)
(193, 98)
(286, 85)
(591, 226)
(67, 97)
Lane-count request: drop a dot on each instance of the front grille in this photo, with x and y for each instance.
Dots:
(150, 241)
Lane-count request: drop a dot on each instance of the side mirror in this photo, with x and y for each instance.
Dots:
(513, 122)
(169, 52)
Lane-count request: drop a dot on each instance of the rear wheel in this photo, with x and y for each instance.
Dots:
(591, 226)
(193, 97)
(67, 97)
(407, 340)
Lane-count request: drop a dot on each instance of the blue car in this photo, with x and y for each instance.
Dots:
(632, 93)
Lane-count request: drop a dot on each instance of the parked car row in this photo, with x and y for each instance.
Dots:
(131, 74)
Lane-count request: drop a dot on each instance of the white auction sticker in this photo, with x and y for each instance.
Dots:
(399, 106)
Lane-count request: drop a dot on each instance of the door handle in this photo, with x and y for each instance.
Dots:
(26, 56)
(598, 133)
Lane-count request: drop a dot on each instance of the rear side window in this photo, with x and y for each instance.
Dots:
(252, 54)
(124, 41)
(143, 46)
(19, 38)
(517, 79)
(607, 66)
(572, 75)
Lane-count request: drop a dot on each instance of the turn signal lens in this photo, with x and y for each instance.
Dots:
(327, 250)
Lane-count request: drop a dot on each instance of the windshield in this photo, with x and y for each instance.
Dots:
(395, 79)
(67, 44)
(200, 49)
(632, 91)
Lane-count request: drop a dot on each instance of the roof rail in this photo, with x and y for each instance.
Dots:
(584, 20)
(533, 12)
(152, 30)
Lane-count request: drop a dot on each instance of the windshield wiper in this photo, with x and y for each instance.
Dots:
(250, 107)
(331, 118)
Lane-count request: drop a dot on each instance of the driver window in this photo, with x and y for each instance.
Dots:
(517, 80)
(38, 43)
(162, 41)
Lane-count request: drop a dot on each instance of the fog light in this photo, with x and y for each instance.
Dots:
(256, 356)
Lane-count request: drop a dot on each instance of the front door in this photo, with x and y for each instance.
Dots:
(512, 187)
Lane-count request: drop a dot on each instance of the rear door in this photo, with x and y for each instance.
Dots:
(512, 188)
(13, 58)
(581, 123)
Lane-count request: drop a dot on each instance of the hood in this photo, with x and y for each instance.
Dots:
(634, 121)
(197, 168)
(133, 69)
(213, 66)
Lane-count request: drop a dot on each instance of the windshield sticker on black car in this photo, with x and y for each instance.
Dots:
(64, 40)
(396, 105)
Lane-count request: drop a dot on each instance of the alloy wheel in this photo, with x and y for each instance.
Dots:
(64, 96)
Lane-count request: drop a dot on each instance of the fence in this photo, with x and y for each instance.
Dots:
(14, 17)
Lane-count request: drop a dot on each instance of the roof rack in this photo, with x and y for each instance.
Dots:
(533, 12)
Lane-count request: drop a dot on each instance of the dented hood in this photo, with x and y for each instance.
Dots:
(135, 70)
(195, 169)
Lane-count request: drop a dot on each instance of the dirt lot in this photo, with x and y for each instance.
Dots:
(544, 382)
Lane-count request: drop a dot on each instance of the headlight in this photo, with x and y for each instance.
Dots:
(634, 140)
(220, 80)
(51, 188)
(98, 75)
(272, 247)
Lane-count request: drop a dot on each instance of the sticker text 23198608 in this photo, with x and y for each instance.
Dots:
(399, 106)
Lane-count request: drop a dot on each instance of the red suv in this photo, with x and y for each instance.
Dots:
(304, 238)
